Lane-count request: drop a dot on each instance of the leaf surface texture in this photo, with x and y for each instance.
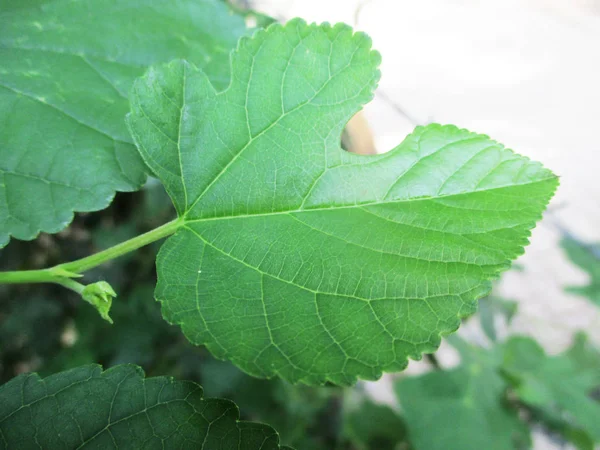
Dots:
(119, 408)
(65, 71)
(299, 259)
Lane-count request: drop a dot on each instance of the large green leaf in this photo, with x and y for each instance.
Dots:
(118, 408)
(298, 259)
(65, 70)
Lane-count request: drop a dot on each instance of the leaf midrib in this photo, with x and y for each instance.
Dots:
(252, 138)
(186, 220)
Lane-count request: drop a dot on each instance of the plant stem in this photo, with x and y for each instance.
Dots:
(433, 361)
(89, 262)
(71, 284)
(40, 276)
(62, 273)
(28, 276)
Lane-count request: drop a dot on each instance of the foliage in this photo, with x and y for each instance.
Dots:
(128, 411)
(66, 70)
(486, 392)
(52, 332)
(290, 257)
(373, 426)
(559, 385)
(587, 257)
(464, 406)
(268, 198)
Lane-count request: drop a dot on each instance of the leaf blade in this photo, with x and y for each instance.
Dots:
(298, 259)
(119, 407)
(66, 70)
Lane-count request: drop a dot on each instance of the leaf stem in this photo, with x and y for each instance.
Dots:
(40, 276)
(89, 262)
(27, 276)
(63, 273)
(71, 284)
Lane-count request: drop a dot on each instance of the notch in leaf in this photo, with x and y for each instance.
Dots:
(298, 259)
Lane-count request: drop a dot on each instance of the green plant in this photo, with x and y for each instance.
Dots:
(289, 256)
(493, 389)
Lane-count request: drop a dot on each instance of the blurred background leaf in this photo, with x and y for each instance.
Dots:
(587, 257)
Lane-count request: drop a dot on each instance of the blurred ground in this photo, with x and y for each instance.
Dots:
(525, 72)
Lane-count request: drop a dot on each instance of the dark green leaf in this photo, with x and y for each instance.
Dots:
(118, 408)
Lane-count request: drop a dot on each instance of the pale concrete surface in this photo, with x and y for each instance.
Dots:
(525, 72)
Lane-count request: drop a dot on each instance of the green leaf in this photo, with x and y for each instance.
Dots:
(371, 426)
(118, 408)
(525, 365)
(65, 70)
(461, 409)
(299, 259)
(587, 257)
(560, 384)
